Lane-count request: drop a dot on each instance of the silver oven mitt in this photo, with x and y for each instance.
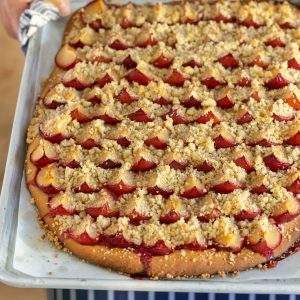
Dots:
(37, 15)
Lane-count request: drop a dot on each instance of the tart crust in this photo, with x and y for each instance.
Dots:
(180, 263)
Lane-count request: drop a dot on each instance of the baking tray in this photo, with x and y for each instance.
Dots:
(13, 189)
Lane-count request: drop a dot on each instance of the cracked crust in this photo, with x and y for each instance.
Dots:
(180, 263)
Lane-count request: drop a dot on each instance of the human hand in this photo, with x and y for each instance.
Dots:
(11, 10)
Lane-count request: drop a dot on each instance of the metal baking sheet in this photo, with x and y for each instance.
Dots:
(25, 260)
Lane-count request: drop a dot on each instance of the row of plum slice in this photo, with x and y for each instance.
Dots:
(66, 58)
(122, 187)
(241, 116)
(148, 40)
(45, 155)
(42, 157)
(229, 62)
(220, 141)
(225, 102)
(284, 212)
(261, 242)
(126, 97)
(125, 23)
(264, 246)
(175, 78)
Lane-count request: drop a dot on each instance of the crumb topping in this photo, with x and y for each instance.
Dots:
(152, 136)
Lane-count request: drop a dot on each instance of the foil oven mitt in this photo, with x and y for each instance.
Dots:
(37, 15)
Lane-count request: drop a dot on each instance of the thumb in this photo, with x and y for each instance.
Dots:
(63, 6)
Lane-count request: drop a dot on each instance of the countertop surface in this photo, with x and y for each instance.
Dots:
(10, 72)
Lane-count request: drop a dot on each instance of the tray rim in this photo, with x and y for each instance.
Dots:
(9, 210)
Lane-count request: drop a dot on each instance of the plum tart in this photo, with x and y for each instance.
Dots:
(165, 143)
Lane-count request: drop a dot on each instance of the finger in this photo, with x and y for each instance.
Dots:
(12, 31)
(63, 6)
(10, 15)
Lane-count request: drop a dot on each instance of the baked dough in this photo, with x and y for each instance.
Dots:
(208, 95)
